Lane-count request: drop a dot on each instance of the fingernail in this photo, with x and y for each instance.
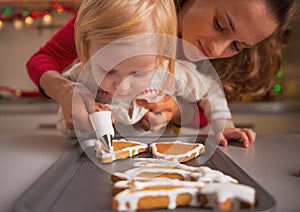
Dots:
(156, 112)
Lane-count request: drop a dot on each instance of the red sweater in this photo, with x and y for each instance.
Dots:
(60, 52)
(57, 54)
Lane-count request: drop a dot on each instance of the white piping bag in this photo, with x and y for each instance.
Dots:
(102, 124)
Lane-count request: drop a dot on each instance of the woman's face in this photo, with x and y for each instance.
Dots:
(222, 28)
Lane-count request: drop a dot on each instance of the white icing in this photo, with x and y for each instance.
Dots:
(177, 157)
(161, 182)
(142, 162)
(202, 173)
(207, 174)
(132, 196)
(133, 150)
(214, 184)
(223, 191)
(137, 172)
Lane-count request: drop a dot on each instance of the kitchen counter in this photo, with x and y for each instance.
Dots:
(23, 159)
(273, 162)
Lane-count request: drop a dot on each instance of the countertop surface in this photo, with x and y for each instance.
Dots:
(23, 159)
(273, 162)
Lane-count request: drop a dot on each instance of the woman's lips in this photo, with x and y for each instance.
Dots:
(202, 49)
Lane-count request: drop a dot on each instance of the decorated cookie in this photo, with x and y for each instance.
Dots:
(121, 149)
(176, 151)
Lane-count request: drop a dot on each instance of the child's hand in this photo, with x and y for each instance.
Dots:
(159, 114)
(246, 135)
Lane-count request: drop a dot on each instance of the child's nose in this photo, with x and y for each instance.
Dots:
(122, 84)
(125, 85)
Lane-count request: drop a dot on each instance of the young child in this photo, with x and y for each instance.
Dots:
(100, 23)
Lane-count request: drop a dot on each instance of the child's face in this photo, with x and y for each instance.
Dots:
(130, 76)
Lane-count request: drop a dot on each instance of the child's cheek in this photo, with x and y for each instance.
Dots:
(106, 85)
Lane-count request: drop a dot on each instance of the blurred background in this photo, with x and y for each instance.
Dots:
(26, 25)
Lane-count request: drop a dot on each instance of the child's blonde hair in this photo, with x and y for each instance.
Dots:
(106, 21)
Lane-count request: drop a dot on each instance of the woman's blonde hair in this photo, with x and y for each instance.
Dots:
(106, 21)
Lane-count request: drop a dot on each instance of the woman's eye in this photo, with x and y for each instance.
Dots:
(219, 26)
(235, 46)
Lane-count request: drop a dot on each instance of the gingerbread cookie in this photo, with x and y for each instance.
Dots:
(146, 168)
(121, 149)
(227, 196)
(145, 195)
(176, 151)
(146, 186)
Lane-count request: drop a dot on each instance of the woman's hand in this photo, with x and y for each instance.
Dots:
(246, 135)
(75, 110)
(83, 104)
(159, 114)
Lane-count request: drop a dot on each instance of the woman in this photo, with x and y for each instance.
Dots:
(244, 45)
(220, 29)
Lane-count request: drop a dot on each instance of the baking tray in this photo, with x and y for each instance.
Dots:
(74, 183)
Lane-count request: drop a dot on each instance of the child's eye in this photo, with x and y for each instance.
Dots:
(111, 72)
(141, 73)
(218, 26)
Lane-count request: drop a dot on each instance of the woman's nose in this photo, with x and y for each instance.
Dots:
(217, 48)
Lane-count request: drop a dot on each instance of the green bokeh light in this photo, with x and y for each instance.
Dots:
(25, 13)
(7, 11)
(277, 88)
(280, 74)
